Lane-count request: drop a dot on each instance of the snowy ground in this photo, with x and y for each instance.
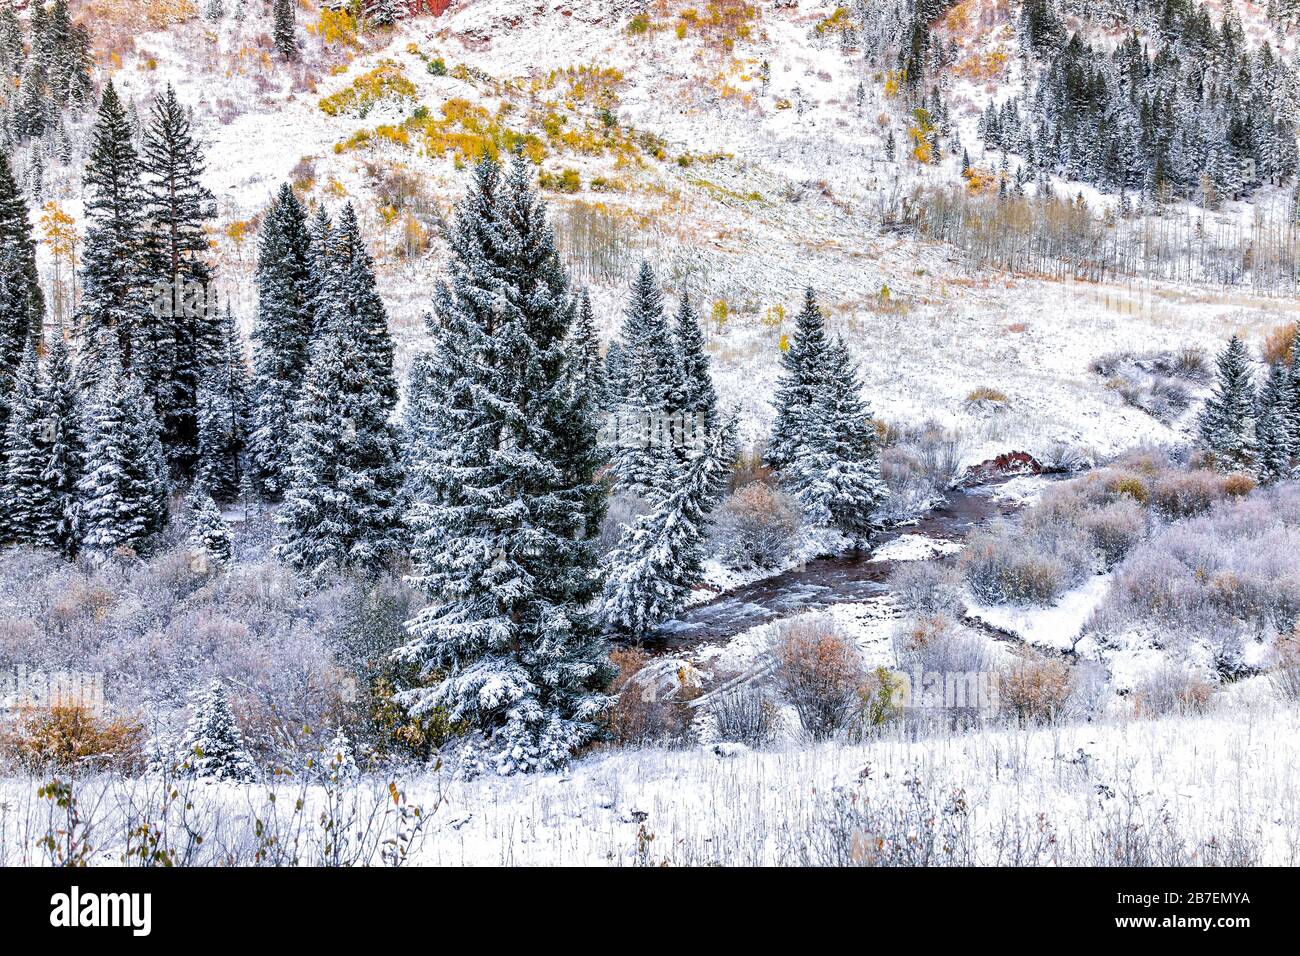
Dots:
(1218, 789)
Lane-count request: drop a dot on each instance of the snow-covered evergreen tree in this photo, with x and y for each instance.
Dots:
(223, 416)
(835, 470)
(588, 366)
(659, 560)
(802, 369)
(382, 13)
(212, 747)
(207, 533)
(281, 335)
(115, 297)
(1227, 423)
(176, 207)
(651, 385)
(124, 486)
(282, 29)
(65, 463)
(509, 507)
(337, 763)
(22, 305)
(27, 440)
(341, 506)
(824, 440)
(1276, 424)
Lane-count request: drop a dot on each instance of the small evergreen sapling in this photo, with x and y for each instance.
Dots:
(212, 747)
(1227, 422)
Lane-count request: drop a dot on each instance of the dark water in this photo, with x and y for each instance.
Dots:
(824, 582)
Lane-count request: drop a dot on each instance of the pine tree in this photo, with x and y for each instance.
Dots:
(321, 237)
(341, 507)
(115, 297)
(13, 51)
(22, 305)
(1227, 422)
(176, 206)
(223, 417)
(802, 368)
(65, 463)
(124, 487)
(30, 511)
(282, 32)
(282, 335)
(659, 560)
(208, 533)
(589, 367)
(338, 762)
(349, 305)
(698, 396)
(510, 508)
(383, 13)
(835, 472)
(1276, 424)
(651, 386)
(212, 747)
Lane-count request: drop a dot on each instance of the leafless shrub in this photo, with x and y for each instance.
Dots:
(1286, 674)
(1036, 688)
(927, 586)
(820, 673)
(757, 527)
(1172, 689)
(744, 714)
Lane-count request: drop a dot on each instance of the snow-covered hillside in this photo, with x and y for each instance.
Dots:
(769, 175)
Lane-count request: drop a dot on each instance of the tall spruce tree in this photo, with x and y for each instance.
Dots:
(659, 560)
(282, 31)
(509, 508)
(699, 400)
(115, 296)
(28, 443)
(1227, 422)
(22, 305)
(651, 385)
(223, 416)
(834, 471)
(176, 206)
(1276, 424)
(349, 305)
(588, 367)
(282, 335)
(124, 486)
(342, 505)
(65, 463)
(802, 367)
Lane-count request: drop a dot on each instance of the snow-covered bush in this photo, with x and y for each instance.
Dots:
(1229, 574)
(644, 712)
(757, 527)
(1036, 688)
(1286, 674)
(1172, 689)
(70, 739)
(927, 586)
(1115, 529)
(157, 628)
(821, 674)
(1187, 494)
(744, 714)
(935, 643)
(1002, 567)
